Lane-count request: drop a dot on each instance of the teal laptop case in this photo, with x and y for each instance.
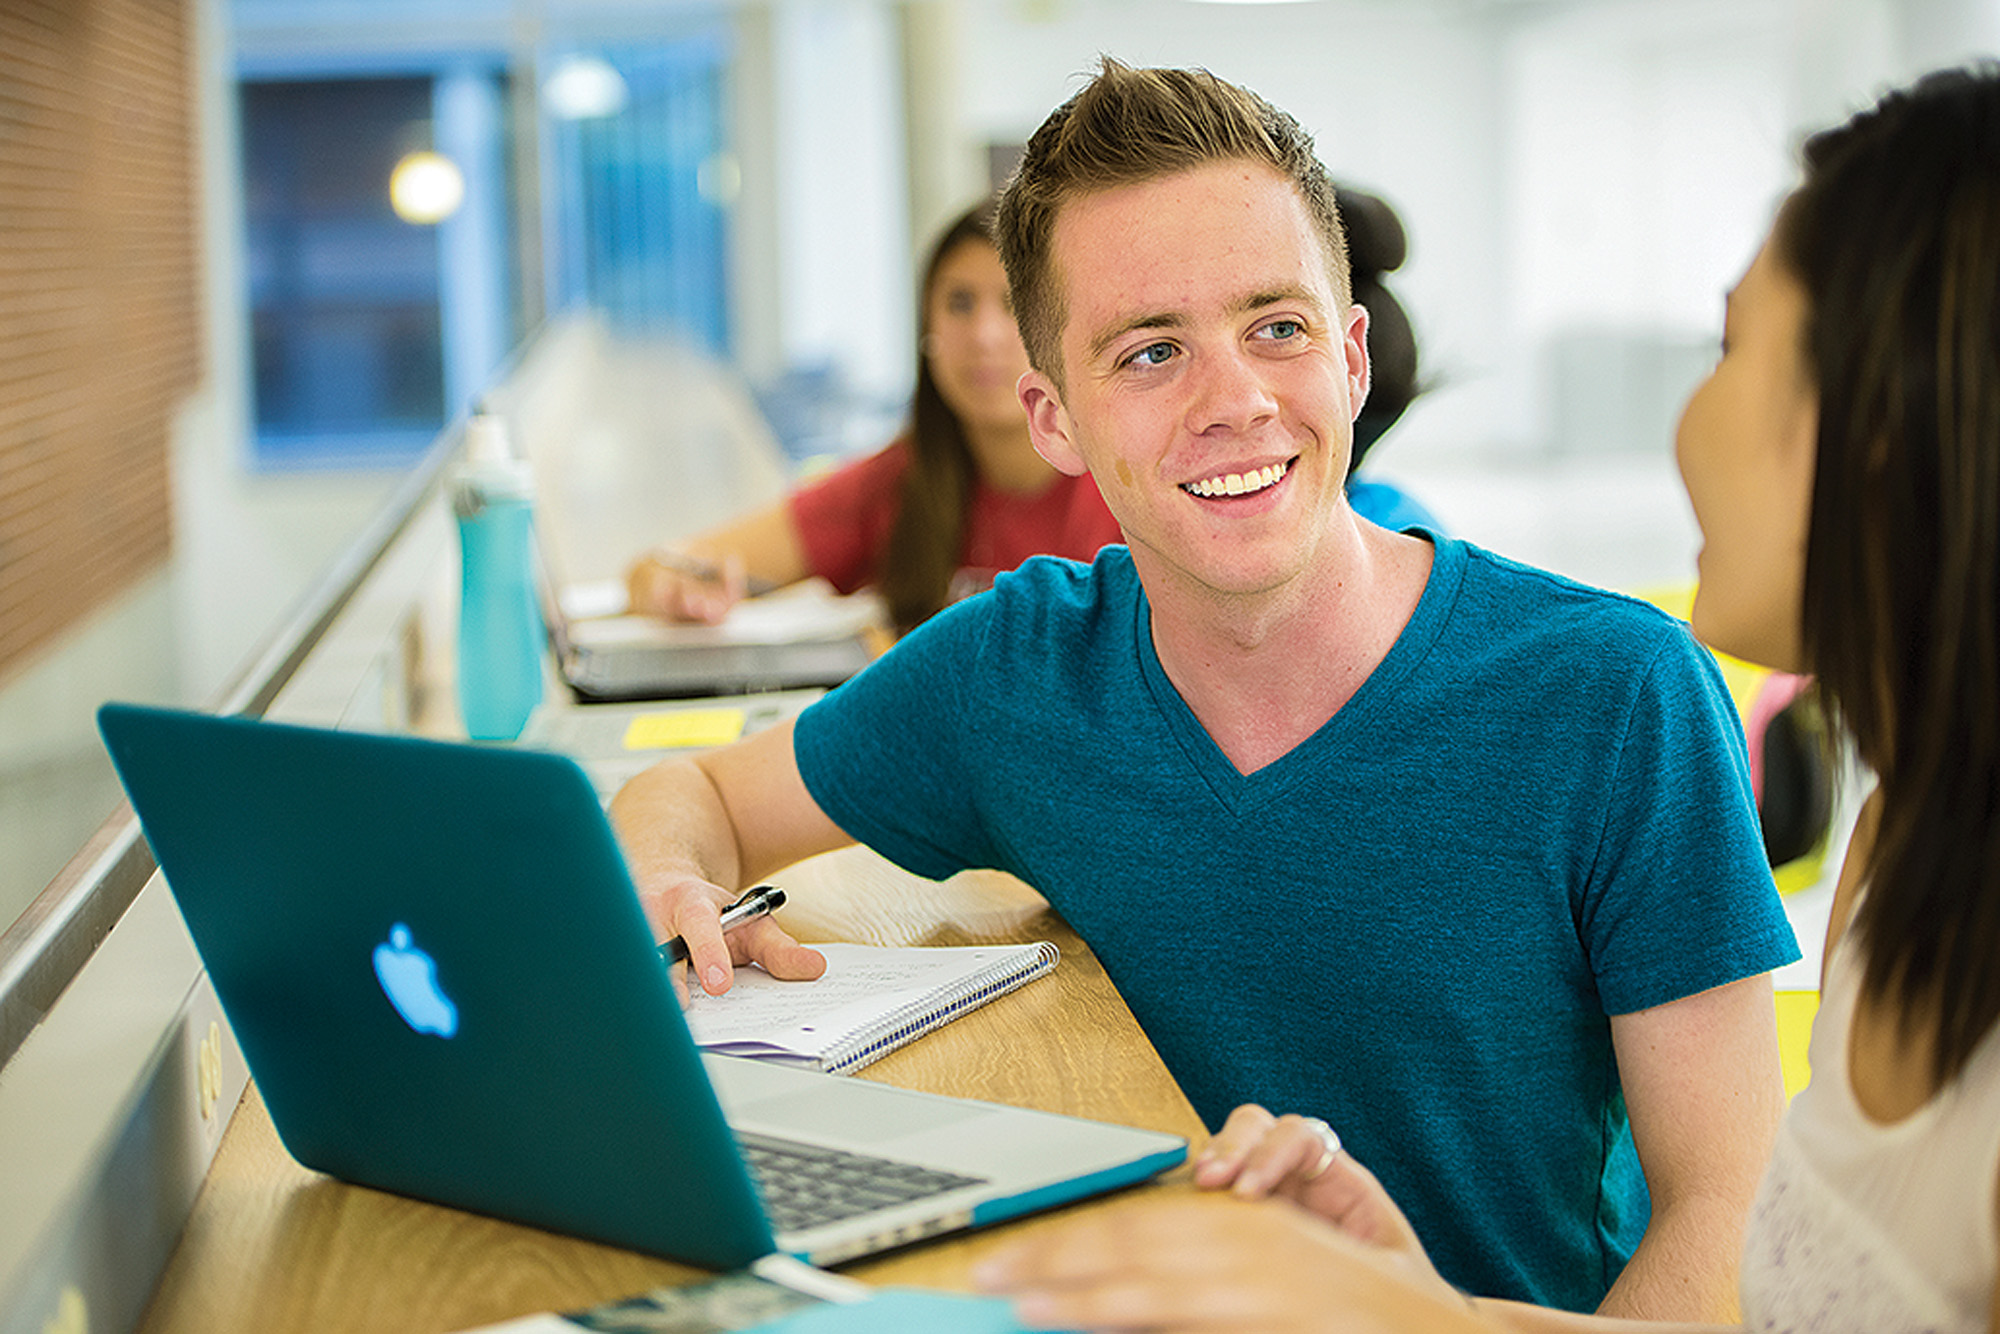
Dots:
(297, 854)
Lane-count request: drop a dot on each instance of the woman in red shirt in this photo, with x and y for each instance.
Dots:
(958, 497)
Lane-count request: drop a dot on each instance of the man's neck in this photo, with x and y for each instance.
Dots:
(1263, 672)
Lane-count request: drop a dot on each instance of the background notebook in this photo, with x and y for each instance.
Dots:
(567, 1092)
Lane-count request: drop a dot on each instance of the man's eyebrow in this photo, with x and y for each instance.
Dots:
(1289, 294)
(1285, 295)
(1103, 341)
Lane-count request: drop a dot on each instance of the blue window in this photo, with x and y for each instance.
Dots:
(344, 313)
(637, 197)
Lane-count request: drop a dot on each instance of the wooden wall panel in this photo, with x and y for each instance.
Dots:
(99, 288)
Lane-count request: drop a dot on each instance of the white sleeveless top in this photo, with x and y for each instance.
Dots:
(1874, 1229)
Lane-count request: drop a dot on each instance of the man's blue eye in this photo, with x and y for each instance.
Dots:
(1284, 328)
(1153, 354)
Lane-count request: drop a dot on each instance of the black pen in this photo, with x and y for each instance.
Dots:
(759, 901)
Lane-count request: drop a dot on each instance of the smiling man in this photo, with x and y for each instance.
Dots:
(1377, 827)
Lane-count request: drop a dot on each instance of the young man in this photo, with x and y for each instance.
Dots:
(1372, 826)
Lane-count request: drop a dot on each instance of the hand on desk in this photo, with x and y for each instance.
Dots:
(1300, 1159)
(692, 909)
(677, 587)
(1307, 1239)
(1211, 1262)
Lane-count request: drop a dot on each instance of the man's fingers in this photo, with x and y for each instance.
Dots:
(715, 958)
(769, 945)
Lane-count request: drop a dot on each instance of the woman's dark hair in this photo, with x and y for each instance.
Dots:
(1895, 238)
(1376, 245)
(928, 536)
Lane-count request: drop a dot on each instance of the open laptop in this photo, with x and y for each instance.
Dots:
(444, 986)
(792, 639)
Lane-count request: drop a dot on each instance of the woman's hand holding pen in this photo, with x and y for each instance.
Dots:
(676, 586)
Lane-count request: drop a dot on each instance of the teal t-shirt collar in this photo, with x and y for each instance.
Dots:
(1237, 791)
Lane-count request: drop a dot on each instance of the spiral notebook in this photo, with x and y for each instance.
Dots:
(870, 1001)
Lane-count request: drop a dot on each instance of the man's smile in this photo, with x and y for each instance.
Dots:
(1239, 483)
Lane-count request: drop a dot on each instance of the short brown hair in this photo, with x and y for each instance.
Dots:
(1129, 126)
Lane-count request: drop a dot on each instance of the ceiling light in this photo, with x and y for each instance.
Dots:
(426, 188)
(584, 88)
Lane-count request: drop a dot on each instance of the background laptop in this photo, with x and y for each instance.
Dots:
(795, 638)
(539, 1069)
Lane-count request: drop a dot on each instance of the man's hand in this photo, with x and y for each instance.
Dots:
(733, 816)
(691, 908)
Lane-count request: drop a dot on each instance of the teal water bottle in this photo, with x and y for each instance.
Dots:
(500, 630)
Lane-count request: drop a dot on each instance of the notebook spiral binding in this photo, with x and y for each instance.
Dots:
(912, 1021)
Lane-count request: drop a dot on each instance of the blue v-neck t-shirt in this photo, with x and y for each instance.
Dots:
(1534, 814)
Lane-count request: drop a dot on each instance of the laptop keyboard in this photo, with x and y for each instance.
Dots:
(807, 1185)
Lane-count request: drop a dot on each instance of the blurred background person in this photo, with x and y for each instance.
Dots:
(958, 497)
(1377, 245)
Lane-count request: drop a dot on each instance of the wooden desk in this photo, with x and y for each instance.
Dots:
(272, 1246)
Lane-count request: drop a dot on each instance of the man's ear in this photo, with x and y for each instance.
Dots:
(1354, 347)
(1048, 424)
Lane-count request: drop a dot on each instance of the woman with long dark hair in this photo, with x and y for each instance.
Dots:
(960, 496)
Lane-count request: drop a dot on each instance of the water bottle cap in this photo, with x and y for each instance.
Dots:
(486, 440)
(491, 466)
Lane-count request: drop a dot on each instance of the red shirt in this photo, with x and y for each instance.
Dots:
(844, 518)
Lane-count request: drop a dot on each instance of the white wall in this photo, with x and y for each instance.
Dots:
(1581, 181)
(1400, 99)
(246, 546)
(843, 235)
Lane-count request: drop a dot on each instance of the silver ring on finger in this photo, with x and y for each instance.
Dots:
(1329, 1141)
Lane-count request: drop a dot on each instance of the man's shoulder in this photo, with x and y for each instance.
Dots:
(1045, 600)
(1060, 588)
(1532, 605)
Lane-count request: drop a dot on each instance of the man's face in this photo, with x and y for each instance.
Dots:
(1210, 379)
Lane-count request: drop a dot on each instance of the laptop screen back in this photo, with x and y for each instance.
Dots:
(550, 1077)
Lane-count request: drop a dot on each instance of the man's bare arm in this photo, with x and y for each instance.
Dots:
(696, 831)
(1705, 1093)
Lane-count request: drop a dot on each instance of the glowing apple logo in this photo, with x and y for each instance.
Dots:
(409, 979)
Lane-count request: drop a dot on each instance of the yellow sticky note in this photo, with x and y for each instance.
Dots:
(684, 728)
(1795, 1017)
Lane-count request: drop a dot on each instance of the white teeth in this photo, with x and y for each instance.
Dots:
(1239, 483)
